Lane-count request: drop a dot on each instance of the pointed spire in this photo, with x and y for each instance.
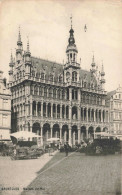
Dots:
(11, 58)
(28, 47)
(19, 35)
(71, 20)
(102, 70)
(19, 42)
(93, 58)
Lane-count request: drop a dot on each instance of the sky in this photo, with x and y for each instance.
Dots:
(47, 23)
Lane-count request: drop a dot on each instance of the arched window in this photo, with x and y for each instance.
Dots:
(84, 84)
(63, 94)
(42, 75)
(54, 93)
(45, 92)
(40, 91)
(50, 92)
(60, 78)
(74, 76)
(35, 90)
(51, 77)
(58, 93)
(67, 76)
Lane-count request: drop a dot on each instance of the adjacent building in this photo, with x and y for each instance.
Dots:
(114, 99)
(5, 110)
(57, 100)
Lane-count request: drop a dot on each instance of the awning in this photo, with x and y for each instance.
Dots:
(24, 135)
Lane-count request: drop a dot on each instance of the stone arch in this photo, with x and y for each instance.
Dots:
(56, 131)
(36, 128)
(46, 132)
(91, 132)
(83, 132)
(98, 129)
(74, 112)
(105, 129)
(74, 135)
(65, 133)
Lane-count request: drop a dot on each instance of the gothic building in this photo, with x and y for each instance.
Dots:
(57, 100)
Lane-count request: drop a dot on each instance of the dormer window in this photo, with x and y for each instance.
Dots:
(42, 75)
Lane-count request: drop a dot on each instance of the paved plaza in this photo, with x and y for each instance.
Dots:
(17, 174)
(78, 174)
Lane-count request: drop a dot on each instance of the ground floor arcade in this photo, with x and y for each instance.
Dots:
(72, 134)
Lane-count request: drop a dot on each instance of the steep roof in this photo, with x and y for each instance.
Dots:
(50, 67)
(111, 93)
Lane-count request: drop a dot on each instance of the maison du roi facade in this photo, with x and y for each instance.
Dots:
(55, 100)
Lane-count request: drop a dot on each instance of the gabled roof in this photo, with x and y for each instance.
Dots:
(56, 69)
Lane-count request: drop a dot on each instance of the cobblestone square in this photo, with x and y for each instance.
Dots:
(79, 174)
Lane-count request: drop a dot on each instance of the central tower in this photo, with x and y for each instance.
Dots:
(71, 68)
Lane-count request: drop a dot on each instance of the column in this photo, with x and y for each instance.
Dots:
(64, 111)
(60, 134)
(79, 95)
(31, 106)
(46, 109)
(87, 114)
(97, 116)
(79, 113)
(83, 114)
(87, 133)
(94, 116)
(56, 110)
(41, 136)
(74, 138)
(51, 130)
(78, 135)
(41, 109)
(70, 139)
(101, 116)
(70, 94)
(36, 108)
(70, 112)
(51, 110)
(60, 111)
(90, 114)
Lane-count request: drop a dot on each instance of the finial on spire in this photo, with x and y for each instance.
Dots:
(93, 57)
(71, 20)
(28, 44)
(102, 67)
(11, 60)
(19, 35)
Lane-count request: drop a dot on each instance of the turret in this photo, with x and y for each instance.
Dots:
(71, 68)
(11, 65)
(19, 49)
(71, 50)
(102, 78)
(27, 59)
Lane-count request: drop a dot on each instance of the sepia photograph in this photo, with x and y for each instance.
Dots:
(60, 97)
